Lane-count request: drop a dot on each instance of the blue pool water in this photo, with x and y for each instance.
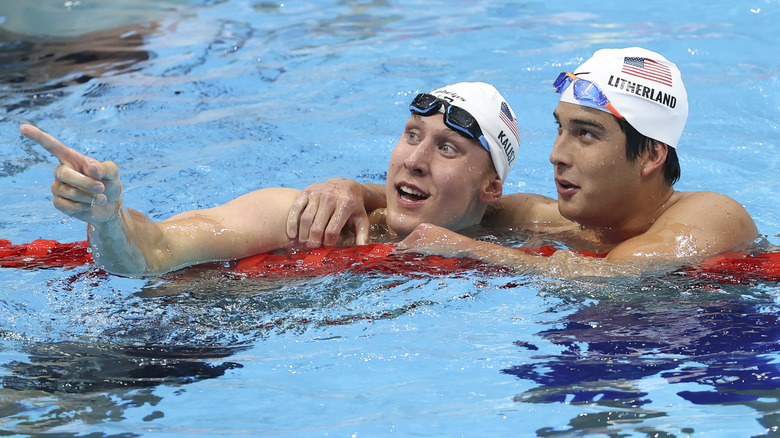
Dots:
(200, 101)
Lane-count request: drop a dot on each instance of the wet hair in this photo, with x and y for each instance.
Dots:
(636, 144)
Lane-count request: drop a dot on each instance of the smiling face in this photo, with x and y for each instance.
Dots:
(597, 185)
(439, 177)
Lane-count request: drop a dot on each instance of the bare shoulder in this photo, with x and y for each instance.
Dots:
(708, 206)
(528, 211)
(697, 225)
(716, 214)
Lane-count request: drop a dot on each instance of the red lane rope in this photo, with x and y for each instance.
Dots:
(375, 258)
(734, 268)
(41, 253)
(728, 267)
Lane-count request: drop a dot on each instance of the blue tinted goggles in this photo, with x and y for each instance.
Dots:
(584, 91)
(456, 118)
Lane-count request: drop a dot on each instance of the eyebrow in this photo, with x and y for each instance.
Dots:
(446, 132)
(586, 122)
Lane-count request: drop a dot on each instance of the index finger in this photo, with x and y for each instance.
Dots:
(51, 144)
(55, 147)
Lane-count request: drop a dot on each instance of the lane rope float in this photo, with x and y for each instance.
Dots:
(729, 267)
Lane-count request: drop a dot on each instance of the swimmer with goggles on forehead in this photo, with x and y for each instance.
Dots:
(585, 91)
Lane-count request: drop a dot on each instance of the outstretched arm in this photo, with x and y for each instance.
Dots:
(126, 242)
(322, 211)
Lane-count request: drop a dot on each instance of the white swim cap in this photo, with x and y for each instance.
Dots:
(643, 86)
(494, 116)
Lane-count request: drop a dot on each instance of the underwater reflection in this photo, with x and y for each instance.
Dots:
(79, 368)
(71, 382)
(35, 70)
(724, 347)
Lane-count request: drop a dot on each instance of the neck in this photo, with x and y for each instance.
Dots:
(380, 230)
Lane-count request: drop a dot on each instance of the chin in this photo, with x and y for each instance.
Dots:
(575, 215)
(584, 220)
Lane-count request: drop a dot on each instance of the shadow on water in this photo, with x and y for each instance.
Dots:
(34, 69)
(34, 73)
(91, 384)
(37, 61)
(72, 367)
(171, 332)
(717, 345)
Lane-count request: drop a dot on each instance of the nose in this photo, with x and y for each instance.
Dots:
(559, 155)
(418, 161)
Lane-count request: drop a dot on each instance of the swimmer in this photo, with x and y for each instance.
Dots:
(457, 148)
(620, 117)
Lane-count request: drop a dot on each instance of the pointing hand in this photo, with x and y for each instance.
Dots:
(83, 187)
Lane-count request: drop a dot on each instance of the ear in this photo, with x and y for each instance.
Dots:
(654, 158)
(492, 191)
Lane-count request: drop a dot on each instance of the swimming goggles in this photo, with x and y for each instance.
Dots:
(585, 91)
(455, 117)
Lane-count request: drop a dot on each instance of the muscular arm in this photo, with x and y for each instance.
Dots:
(126, 242)
(251, 224)
(431, 239)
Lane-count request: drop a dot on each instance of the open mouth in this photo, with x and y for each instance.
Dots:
(566, 184)
(565, 188)
(411, 194)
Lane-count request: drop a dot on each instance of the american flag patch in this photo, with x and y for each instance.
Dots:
(511, 122)
(647, 69)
